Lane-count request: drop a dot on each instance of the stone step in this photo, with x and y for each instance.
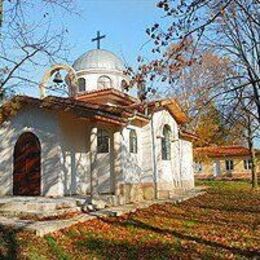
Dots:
(109, 200)
(41, 228)
(37, 206)
(36, 213)
(104, 201)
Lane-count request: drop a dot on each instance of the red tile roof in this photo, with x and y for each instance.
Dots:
(93, 104)
(169, 104)
(80, 108)
(219, 151)
(95, 95)
(126, 101)
(186, 135)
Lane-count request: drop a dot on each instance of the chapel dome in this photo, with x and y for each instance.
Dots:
(99, 59)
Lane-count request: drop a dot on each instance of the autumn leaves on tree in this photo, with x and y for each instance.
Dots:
(208, 53)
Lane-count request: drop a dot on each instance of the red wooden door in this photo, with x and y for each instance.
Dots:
(27, 166)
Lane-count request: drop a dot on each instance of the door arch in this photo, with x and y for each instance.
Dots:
(27, 166)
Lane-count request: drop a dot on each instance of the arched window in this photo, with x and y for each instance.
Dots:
(133, 141)
(102, 141)
(166, 143)
(104, 82)
(82, 84)
(124, 85)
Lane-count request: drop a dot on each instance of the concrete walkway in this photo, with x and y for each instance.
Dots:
(41, 228)
(121, 210)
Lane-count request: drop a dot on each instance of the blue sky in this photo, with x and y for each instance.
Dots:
(123, 21)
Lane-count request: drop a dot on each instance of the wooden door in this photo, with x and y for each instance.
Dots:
(27, 166)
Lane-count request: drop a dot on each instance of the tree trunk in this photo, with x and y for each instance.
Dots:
(257, 101)
(253, 170)
(253, 159)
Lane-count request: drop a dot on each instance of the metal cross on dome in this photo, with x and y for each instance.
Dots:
(98, 39)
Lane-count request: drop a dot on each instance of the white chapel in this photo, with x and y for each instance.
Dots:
(99, 141)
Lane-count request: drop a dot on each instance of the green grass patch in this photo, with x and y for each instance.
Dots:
(189, 223)
(56, 249)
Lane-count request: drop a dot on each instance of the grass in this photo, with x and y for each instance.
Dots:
(222, 224)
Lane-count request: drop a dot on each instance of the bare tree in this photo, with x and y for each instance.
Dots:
(198, 83)
(240, 113)
(229, 27)
(27, 43)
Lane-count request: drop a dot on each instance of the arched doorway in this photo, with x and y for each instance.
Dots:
(27, 166)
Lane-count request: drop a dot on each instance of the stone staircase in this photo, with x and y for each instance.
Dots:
(37, 207)
(42, 207)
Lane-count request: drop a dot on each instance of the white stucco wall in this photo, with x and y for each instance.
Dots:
(186, 164)
(147, 155)
(65, 152)
(74, 137)
(104, 164)
(77, 157)
(168, 170)
(67, 158)
(132, 162)
(44, 125)
(139, 168)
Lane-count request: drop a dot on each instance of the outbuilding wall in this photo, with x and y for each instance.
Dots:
(239, 171)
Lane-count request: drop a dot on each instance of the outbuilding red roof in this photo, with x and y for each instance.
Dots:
(186, 135)
(219, 151)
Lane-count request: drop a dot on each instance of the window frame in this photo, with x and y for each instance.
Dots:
(133, 142)
(198, 167)
(103, 141)
(166, 143)
(79, 86)
(229, 165)
(104, 87)
(123, 84)
(247, 164)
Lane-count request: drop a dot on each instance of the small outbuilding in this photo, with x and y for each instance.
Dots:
(224, 161)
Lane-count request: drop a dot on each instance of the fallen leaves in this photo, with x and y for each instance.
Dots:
(224, 223)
